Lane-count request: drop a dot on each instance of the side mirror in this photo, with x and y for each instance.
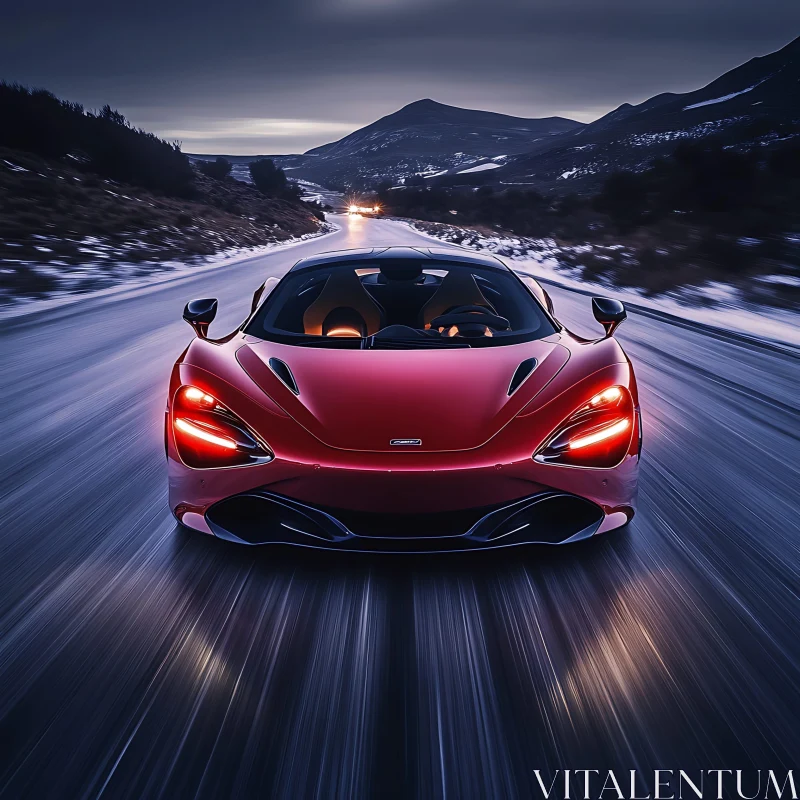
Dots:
(609, 313)
(200, 314)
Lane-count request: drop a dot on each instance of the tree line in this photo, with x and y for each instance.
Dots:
(706, 183)
(105, 143)
(36, 121)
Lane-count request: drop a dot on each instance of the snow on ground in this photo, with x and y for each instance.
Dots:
(781, 280)
(130, 275)
(695, 132)
(725, 97)
(431, 171)
(479, 168)
(717, 305)
(15, 167)
(589, 168)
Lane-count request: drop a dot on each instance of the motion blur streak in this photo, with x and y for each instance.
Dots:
(138, 661)
(457, 695)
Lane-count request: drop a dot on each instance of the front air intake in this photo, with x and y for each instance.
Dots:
(281, 369)
(546, 519)
(521, 375)
(263, 517)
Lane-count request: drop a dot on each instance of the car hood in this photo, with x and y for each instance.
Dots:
(454, 399)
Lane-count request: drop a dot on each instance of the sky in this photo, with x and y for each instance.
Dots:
(263, 77)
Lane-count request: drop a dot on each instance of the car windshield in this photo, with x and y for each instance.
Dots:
(400, 303)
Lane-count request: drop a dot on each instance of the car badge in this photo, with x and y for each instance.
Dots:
(406, 442)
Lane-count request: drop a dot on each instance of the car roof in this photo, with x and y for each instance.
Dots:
(390, 253)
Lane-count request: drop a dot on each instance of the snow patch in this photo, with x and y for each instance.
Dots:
(724, 306)
(16, 167)
(725, 97)
(479, 168)
(781, 280)
(120, 276)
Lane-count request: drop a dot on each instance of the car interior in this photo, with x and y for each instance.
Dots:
(400, 300)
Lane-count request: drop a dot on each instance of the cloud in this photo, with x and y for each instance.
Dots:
(375, 7)
(250, 128)
(250, 135)
(292, 74)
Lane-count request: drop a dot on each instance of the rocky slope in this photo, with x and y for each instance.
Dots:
(64, 229)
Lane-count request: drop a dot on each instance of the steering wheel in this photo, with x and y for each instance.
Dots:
(471, 315)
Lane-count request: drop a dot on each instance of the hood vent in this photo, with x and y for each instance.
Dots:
(281, 369)
(524, 371)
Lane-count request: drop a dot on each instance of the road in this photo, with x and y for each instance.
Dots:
(139, 661)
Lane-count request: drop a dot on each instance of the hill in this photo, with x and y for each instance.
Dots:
(424, 137)
(86, 199)
(754, 105)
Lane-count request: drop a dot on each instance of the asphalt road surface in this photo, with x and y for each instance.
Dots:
(139, 661)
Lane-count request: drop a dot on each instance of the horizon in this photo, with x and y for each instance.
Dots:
(224, 88)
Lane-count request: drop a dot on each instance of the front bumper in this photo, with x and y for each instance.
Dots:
(264, 517)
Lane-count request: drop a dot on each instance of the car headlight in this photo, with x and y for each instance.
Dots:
(207, 434)
(598, 434)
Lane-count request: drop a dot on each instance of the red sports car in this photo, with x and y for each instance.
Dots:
(403, 399)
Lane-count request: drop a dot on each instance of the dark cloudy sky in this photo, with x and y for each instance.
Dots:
(259, 76)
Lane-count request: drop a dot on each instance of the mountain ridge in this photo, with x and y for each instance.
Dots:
(742, 80)
(424, 137)
(431, 112)
(754, 104)
(452, 145)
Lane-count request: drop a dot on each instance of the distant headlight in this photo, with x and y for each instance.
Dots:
(598, 434)
(208, 435)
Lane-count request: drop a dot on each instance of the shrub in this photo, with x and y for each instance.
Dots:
(624, 199)
(785, 161)
(316, 209)
(268, 178)
(218, 169)
(271, 180)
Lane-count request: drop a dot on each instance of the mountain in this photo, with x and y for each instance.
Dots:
(756, 103)
(430, 129)
(768, 86)
(423, 137)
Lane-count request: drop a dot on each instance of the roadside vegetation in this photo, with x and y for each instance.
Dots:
(36, 121)
(271, 180)
(219, 169)
(87, 200)
(705, 214)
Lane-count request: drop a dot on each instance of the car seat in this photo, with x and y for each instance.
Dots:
(342, 291)
(458, 288)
